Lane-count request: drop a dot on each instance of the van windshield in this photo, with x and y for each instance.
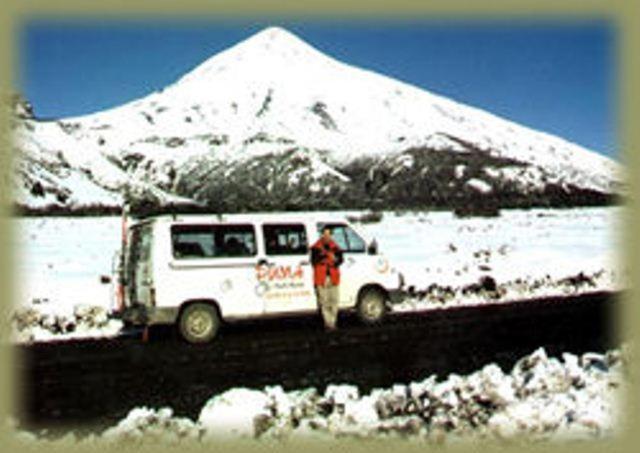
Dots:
(346, 238)
(212, 241)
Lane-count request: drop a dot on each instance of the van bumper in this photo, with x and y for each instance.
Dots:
(142, 314)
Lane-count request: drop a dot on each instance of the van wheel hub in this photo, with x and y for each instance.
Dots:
(199, 323)
(372, 309)
(371, 306)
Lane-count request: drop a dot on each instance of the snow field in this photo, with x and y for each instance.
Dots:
(446, 260)
(527, 254)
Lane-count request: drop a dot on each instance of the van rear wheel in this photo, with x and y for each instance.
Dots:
(371, 306)
(199, 323)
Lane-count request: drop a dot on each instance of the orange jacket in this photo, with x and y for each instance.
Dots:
(323, 263)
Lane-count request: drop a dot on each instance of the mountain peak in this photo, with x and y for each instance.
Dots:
(272, 43)
(274, 36)
(269, 48)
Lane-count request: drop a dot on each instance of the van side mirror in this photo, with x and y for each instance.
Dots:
(372, 249)
(105, 279)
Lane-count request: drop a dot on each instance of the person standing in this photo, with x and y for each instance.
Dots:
(326, 258)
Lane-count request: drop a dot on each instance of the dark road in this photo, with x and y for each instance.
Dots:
(97, 382)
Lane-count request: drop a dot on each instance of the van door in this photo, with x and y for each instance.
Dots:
(217, 261)
(140, 282)
(356, 264)
(284, 275)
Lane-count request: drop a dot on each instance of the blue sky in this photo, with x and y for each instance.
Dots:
(558, 76)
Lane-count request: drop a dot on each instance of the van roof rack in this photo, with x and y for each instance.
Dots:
(146, 210)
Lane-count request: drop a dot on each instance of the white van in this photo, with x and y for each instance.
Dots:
(199, 270)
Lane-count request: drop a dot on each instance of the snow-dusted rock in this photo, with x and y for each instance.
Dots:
(479, 185)
(339, 395)
(235, 413)
(497, 387)
(145, 425)
(362, 413)
(43, 322)
(91, 315)
(393, 402)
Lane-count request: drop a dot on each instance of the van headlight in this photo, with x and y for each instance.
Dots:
(382, 265)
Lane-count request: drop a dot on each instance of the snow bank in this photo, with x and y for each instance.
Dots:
(541, 398)
(43, 321)
(487, 291)
(144, 424)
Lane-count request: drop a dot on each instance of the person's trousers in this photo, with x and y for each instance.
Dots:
(328, 303)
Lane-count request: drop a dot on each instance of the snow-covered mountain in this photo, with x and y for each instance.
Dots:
(273, 123)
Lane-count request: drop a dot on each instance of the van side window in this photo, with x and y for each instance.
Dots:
(213, 241)
(347, 239)
(285, 239)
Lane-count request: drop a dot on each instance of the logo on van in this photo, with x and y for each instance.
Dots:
(271, 273)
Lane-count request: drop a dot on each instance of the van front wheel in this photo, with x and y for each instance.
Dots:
(371, 306)
(199, 323)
